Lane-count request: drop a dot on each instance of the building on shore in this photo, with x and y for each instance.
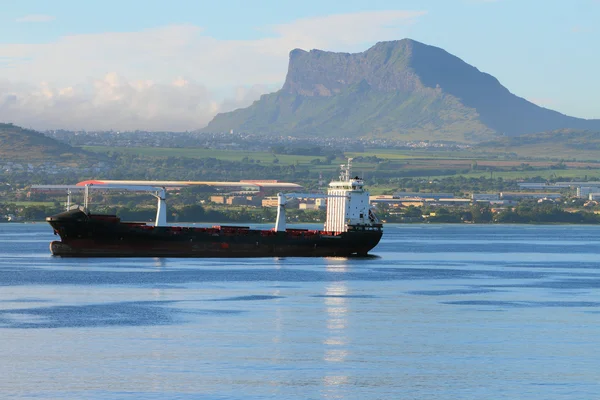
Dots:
(583, 192)
(422, 195)
(529, 195)
(485, 197)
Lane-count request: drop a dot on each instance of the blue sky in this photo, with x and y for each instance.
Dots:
(173, 65)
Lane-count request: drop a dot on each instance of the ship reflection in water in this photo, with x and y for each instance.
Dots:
(337, 344)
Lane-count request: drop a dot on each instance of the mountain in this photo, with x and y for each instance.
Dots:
(400, 89)
(24, 145)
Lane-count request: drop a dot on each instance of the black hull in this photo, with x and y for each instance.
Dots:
(84, 235)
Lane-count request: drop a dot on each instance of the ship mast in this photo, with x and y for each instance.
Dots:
(346, 171)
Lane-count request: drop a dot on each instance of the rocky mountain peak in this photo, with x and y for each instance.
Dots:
(400, 88)
(324, 73)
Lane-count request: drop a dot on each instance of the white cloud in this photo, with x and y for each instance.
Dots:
(175, 74)
(346, 31)
(35, 18)
(116, 103)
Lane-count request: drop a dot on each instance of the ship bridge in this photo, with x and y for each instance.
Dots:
(352, 184)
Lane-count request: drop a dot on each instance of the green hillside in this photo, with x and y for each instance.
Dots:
(359, 111)
(25, 145)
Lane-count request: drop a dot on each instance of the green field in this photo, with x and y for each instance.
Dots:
(226, 155)
(402, 154)
(397, 163)
(32, 203)
(567, 144)
(587, 174)
(288, 159)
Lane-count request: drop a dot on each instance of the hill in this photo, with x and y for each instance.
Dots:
(401, 89)
(24, 145)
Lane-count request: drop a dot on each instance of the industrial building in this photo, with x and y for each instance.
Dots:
(317, 204)
(485, 196)
(529, 195)
(423, 195)
(236, 200)
(583, 192)
(583, 189)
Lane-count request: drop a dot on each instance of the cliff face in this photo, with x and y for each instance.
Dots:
(384, 67)
(402, 89)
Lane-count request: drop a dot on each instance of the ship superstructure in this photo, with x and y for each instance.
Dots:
(348, 203)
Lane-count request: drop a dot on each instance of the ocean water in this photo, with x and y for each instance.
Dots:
(439, 312)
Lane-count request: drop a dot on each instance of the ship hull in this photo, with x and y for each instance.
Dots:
(84, 235)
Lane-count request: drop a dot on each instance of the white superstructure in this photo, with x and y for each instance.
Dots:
(347, 202)
(347, 205)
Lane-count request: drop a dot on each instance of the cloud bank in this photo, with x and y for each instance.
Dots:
(167, 78)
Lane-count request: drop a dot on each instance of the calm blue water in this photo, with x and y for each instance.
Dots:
(443, 312)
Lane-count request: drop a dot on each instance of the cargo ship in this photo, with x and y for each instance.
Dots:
(351, 229)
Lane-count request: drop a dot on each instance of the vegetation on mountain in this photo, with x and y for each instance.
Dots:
(28, 146)
(401, 89)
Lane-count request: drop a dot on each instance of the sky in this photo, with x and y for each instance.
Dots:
(173, 65)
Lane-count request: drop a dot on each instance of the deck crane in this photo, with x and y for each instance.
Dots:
(158, 192)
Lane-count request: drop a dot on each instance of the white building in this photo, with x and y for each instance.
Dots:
(584, 191)
(485, 196)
